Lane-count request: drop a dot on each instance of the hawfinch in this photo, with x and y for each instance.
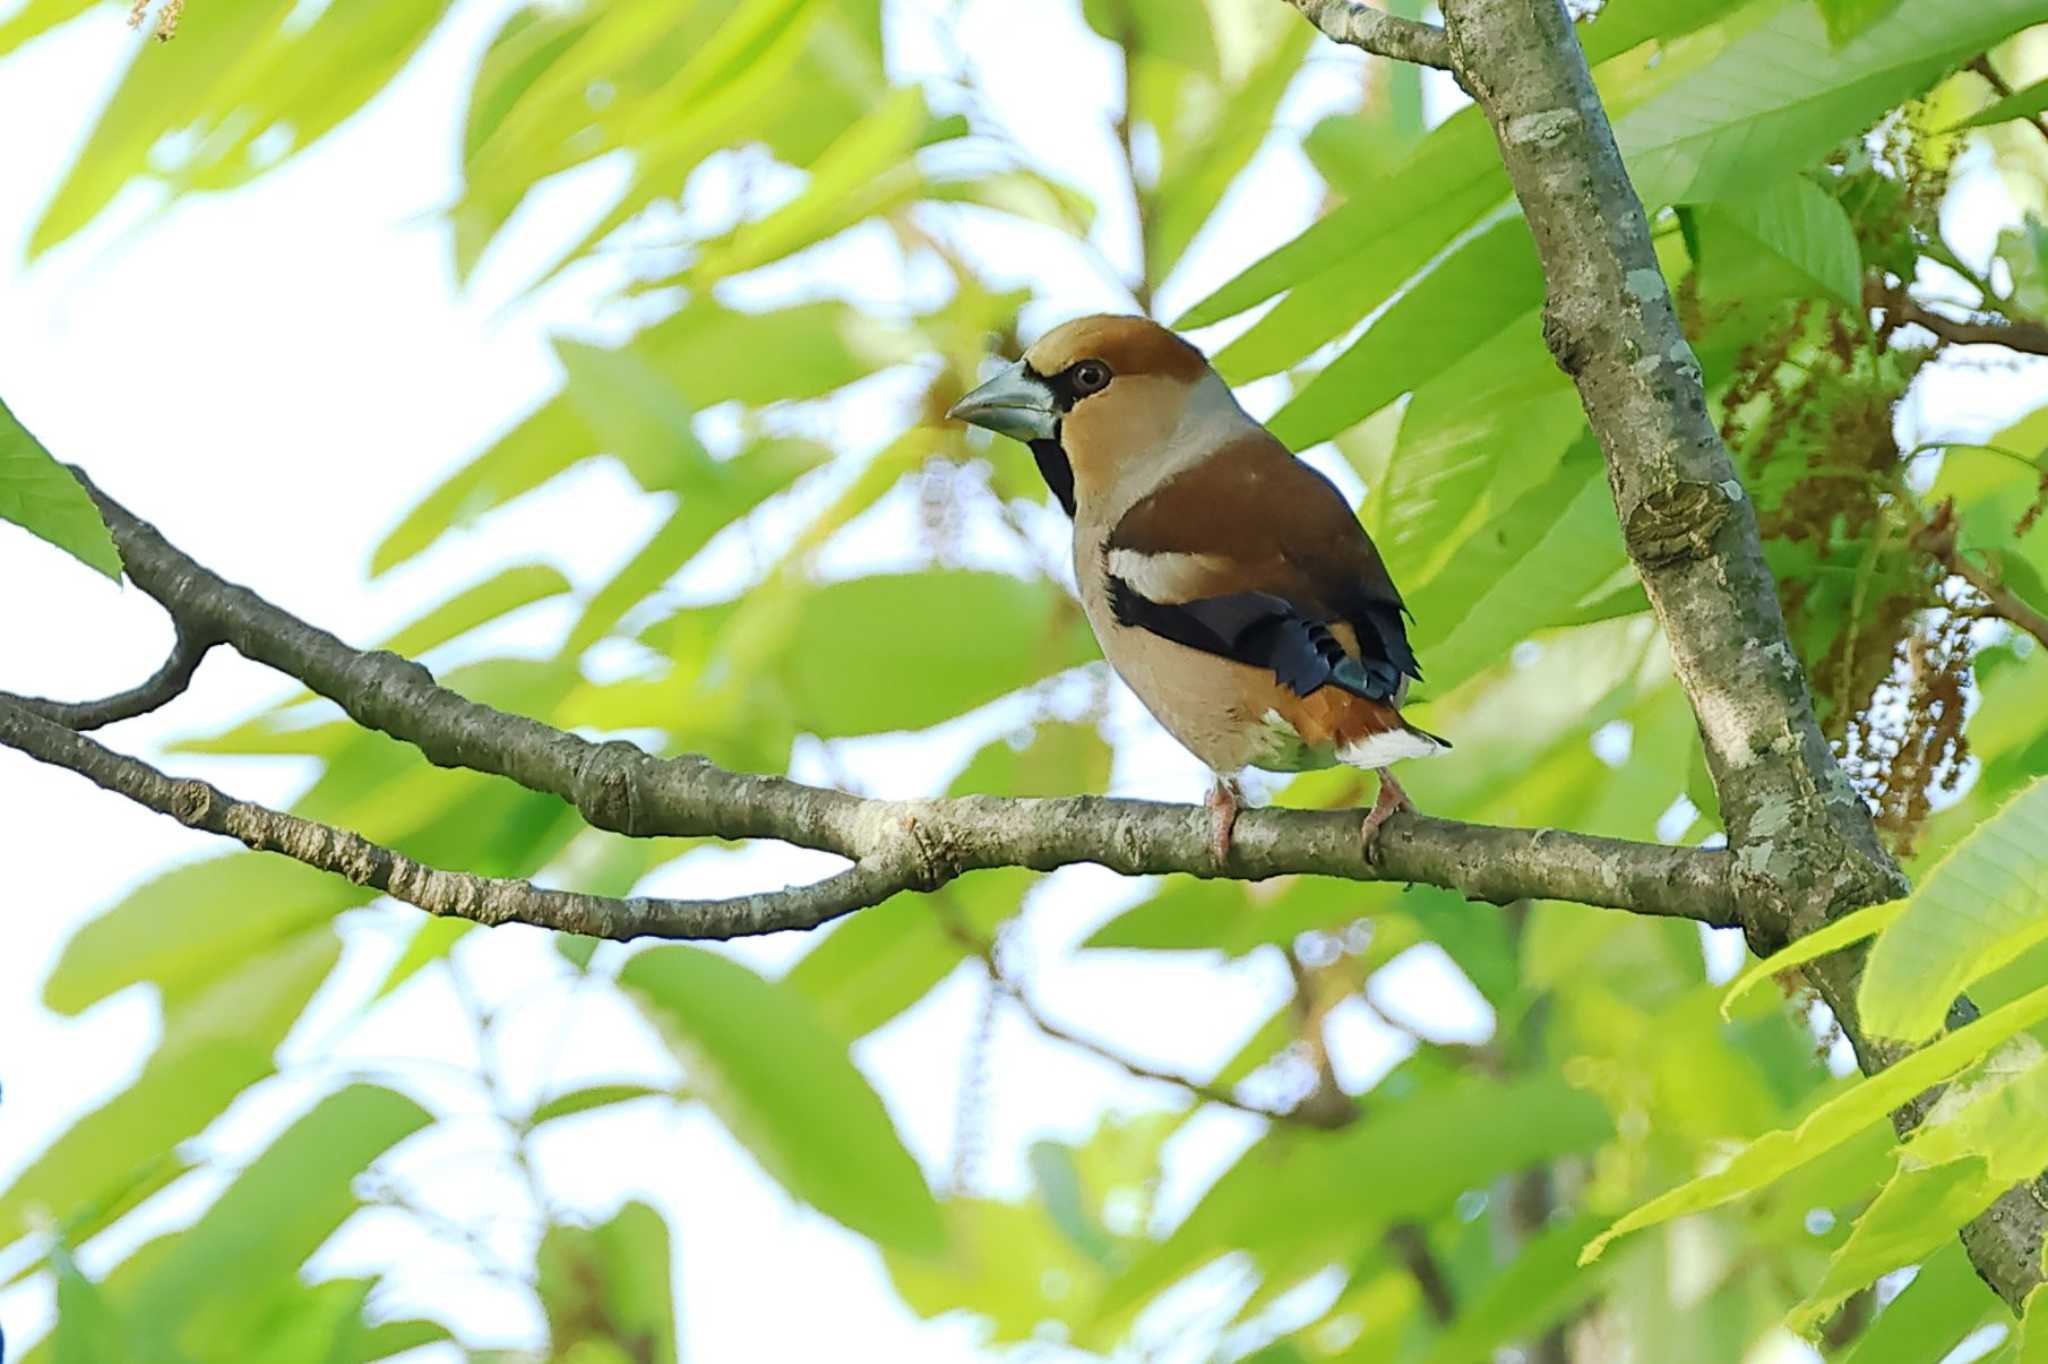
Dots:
(1228, 582)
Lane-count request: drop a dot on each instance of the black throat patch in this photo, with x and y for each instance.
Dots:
(1056, 470)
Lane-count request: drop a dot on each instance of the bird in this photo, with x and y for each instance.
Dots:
(1227, 581)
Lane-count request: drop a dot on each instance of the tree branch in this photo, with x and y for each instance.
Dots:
(2028, 337)
(1937, 536)
(902, 845)
(489, 900)
(1356, 24)
(1803, 844)
(164, 686)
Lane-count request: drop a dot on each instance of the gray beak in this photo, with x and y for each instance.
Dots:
(1015, 403)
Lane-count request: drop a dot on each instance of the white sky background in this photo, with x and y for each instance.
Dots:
(274, 377)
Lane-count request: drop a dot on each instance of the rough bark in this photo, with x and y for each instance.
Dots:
(1803, 843)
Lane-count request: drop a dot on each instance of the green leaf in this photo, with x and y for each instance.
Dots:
(193, 924)
(1453, 177)
(1850, 928)
(166, 87)
(865, 170)
(759, 1055)
(89, 1330)
(495, 597)
(1847, 18)
(1464, 301)
(1541, 1285)
(2023, 103)
(1944, 1303)
(1536, 564)
(1790, 226)
(574, 1101)
(1477, 439)
(215, 1045)
(1980, 907)
(432, 938)
(906, 650)
(36, 18)
(1006, 1263)
(610, 1284)
(1779, 94)
(1868, 1101)
(1984, 1136)
(1294, 1187)
(636, 415)
(278, 1211)
(40, 495)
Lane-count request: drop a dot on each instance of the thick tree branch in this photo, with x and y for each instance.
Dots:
(488, 900)
(1356, 24)
(904, 845)
(1804, 847)
(164, 686)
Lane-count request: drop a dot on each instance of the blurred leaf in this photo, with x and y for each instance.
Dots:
(1301, 1187)
(864, 171)
(432, 938)
(189, 926)
(610, 1284)
(1477, 439)
(1004, 1262)
(37, 17)
(2023, 103)
(1847, 18)
(1789, 225)
(497, 596)
(1868, 1101)
(906, 650)
(1932, 1314)
(88, 1330)
(1466, 299)
(1533, 566)
(713, 354)
(1984, 904)
(167, 87)
(389, 1338)
(1850, 928)
(215, 1045)
(1778, 95)
(40, 495)
(1354, 257)
(278, 1211)
(635, 414)
(1985, 1135)
(583, 1100)
(1541, 1285)
(760, 1057)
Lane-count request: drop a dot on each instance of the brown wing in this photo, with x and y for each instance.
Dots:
(1254, 555)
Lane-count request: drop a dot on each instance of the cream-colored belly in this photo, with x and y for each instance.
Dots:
(1219, 710)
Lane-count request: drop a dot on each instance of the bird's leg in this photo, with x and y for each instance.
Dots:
(1224, 798)
(1391, 798)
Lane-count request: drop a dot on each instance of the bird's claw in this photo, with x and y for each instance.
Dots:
(1391, 799)
(1222, 820)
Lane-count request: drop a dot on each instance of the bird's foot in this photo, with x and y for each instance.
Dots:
(1223, 802)
(1391, 799)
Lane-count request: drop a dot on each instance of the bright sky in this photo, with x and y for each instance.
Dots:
(274, 376)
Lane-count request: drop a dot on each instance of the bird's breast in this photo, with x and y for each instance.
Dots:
(1223, 712)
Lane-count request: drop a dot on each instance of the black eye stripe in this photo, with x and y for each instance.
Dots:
(1066, 386)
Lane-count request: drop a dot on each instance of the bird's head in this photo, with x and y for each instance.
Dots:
(1105, 403)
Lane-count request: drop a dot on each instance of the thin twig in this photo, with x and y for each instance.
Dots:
(2023, 335)
(164, 686)
(1356, 24)
(2002, 87)
(486, 899)
(1937, 536)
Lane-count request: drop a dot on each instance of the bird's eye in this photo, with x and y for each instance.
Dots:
(1090, 376)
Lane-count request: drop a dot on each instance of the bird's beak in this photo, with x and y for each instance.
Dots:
(1015, 403)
